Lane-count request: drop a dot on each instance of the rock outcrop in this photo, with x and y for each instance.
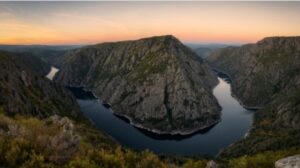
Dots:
(211, 164)
(157, 82)
(288, 162)
(23, 91)
(66, 142)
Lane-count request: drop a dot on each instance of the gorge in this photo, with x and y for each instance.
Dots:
(32, 106)
(234, 125)
(149, 84)
(157, 82)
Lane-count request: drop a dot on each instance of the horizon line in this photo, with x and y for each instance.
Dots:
(115, 41)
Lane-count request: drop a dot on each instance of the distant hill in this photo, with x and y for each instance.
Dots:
(50, 54)
(24, 48)
(204, 50)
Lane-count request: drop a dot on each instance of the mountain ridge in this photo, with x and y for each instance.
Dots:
(265, 75)
(22, 84)
(149, 75)
(269, 63)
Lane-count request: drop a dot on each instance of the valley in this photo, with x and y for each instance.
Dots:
(237, 134)
(234, 125)
(156, 82)
(150, 84)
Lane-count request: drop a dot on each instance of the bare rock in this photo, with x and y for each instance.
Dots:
(66, 142)
(211, 164)
(288, 162)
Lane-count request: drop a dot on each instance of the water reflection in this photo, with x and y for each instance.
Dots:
(234, 125)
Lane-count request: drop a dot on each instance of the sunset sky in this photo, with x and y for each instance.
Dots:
(194, 22)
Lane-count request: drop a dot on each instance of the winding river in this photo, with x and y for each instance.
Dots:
(235, 123)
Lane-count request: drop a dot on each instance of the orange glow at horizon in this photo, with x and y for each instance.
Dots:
(96, 22)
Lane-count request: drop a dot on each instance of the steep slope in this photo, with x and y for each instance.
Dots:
(265, 75)
(33, 132)
(24, 91)
(260, 70)
(33, 63)
(276, 127)
(157, 82)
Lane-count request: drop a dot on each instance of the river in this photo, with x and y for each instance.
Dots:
(234, 125)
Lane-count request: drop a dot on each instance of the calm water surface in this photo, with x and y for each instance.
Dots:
(236, 121)
(52, 73)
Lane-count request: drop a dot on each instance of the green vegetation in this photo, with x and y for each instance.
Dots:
(51, 105)
(150, 64)
(276, 127)
(260, 160)
(32, 142)
(195, 163)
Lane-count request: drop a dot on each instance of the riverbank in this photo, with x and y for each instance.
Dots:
(199, 141)
(83, 93)
(155, 131)
(225, 76)
(235, 122)
(172, 133)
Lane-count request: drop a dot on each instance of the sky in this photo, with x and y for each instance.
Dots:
(56, 23)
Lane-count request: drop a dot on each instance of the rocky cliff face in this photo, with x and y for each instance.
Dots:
(23, 91)
(275, 127)
(33, 132)
(260, 70)
(265, 75)
(157, 82)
